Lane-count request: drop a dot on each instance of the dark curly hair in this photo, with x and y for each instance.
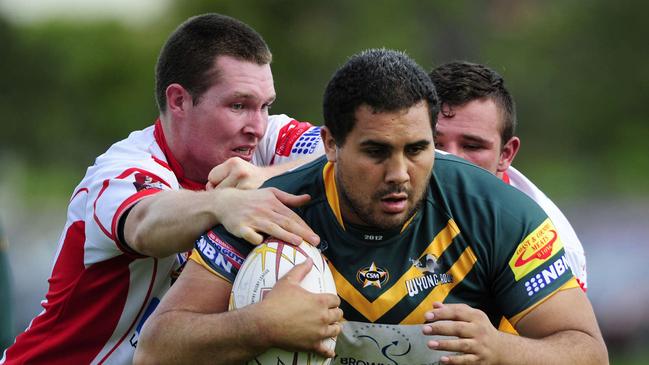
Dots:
(460, 82)
(189, 53)
(385, 80)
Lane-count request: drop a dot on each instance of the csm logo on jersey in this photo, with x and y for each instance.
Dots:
(429, 265)
(219, 253)
(372, 276)
(547, 276)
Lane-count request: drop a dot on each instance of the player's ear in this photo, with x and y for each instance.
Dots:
(329, 144)
(178, 99)
(508, 153)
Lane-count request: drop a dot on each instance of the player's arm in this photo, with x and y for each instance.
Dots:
(169, 221)
(238, 173)
(560, 330)
(192, 325)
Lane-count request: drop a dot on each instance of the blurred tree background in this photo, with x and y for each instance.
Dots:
(577, 69)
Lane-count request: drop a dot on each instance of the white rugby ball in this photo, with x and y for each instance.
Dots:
(266, 264)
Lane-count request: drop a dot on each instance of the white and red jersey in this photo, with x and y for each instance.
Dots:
(574, 250)
(289, 140)
(100, 290)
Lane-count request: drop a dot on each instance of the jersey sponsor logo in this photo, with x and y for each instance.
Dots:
(372, 276)
(432, 277)
(307, 143)
(541, 253)
(143, 182)
(547, 276)
(377, 344)
(219, 253)
(426, 264)
(297, 138)
(539, 246)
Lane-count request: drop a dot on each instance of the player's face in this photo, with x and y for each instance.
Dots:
(230, 117)
(383, 168)
(473, 133)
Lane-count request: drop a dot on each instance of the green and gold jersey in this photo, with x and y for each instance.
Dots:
(475, 240)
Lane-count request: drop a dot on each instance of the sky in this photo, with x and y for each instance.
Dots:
(129, 11)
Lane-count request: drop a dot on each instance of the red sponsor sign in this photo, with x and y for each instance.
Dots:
(536, 248)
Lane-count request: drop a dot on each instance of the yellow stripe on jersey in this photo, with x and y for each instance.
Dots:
(332, 192)
(405, 225)
(459, 270)
(572, 283)
(381, 305)
(442, 240)
(505, 326)
(196, 257)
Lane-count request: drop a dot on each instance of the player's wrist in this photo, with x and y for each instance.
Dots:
(260, 329)
(217, 202)
(504, 342)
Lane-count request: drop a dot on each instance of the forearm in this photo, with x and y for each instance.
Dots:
(565, 347)
(562, 330)
(194, 338)
(274, 170)
(170, 221)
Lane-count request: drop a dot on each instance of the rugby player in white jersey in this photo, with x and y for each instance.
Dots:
(142, 202)
(478, 123)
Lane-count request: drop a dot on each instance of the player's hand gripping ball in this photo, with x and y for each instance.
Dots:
(266, 264)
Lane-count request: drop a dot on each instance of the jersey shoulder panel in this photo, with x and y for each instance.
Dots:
(127, 172)
(522, 183)
(515, 242)
(287, 139)
(574, 249)
(459, 183)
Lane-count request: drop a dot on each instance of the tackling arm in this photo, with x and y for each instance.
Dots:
(169, 222)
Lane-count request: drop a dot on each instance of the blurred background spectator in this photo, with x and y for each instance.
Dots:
(77, 75)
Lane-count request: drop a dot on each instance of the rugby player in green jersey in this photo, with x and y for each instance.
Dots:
(428, 251)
